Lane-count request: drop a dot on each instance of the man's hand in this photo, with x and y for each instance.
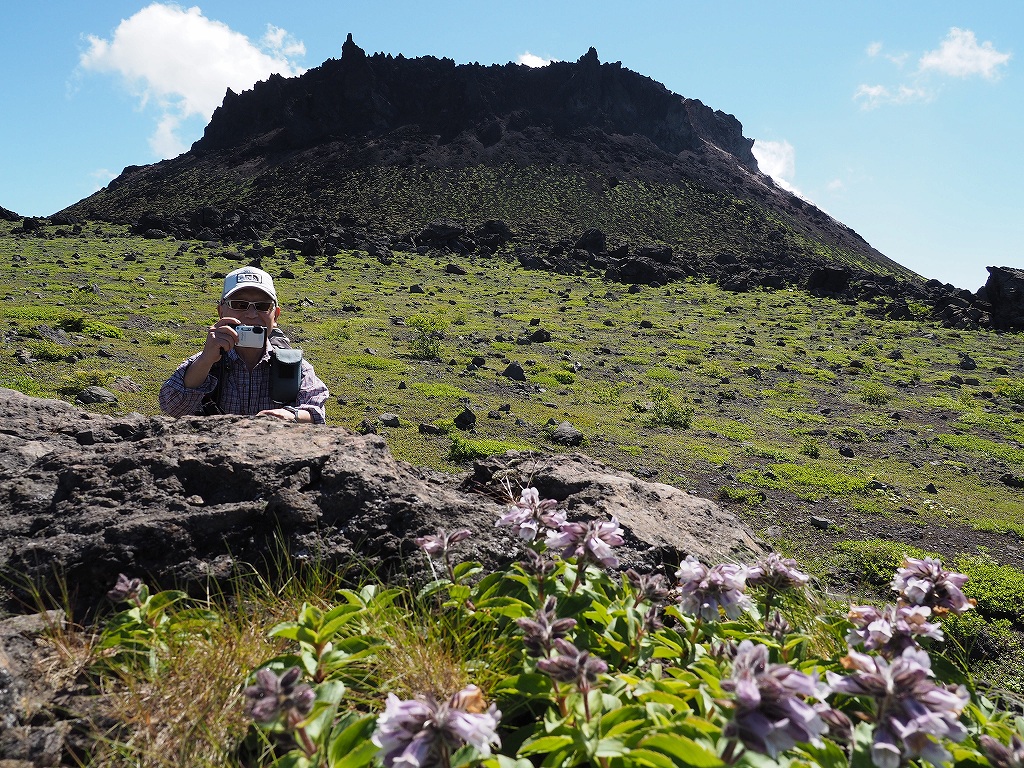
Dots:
(220, 338)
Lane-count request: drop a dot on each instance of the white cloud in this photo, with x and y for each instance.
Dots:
(874, 96)
(183, 62)
(899, 59)
(532, 60)
(283, 44)
(778, 160)
(959, 55)
(836, 185)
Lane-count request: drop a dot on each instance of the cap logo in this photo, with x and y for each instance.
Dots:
(248, 277)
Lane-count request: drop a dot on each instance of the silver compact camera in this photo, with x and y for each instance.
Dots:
(254, 336)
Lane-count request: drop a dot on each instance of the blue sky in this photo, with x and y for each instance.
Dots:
(902, 120)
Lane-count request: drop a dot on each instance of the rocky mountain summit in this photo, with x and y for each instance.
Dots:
(576, 167)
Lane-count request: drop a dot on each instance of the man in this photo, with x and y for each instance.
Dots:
(228, 378)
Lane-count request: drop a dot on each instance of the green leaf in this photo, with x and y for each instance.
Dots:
(663, 697)
(829, 755)
(622, 714)
(545, 744)
(503, 761)
(286, 629)
(528, 683)
(683, 750)
(625, 726)
(432, 588)
(609, 747)
(650, 758)
(349, 745)
(467, 569)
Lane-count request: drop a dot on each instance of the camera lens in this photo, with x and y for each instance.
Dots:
(258, 329)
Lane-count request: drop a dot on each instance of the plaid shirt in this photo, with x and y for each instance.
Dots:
(242, 392)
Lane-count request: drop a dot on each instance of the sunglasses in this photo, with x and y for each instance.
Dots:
(243, 306)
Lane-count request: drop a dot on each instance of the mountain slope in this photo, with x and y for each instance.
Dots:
(390, 144)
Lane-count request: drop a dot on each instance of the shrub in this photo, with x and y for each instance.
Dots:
(439, 389)
(79, 324)
(1011, 389)
(749, 496)
(430, 331)
(873, 393)
(464, 449)
(667, 412)
(998, 589)
(874, 561)
(610, 393)
(163, 338)
(82, 378)
(564, 377)
(809, 447)
(51, 351)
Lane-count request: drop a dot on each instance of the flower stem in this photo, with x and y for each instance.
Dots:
(581, 569)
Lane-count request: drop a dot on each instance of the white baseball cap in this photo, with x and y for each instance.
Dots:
(248, 277)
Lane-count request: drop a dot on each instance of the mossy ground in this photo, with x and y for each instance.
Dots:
(790, 406)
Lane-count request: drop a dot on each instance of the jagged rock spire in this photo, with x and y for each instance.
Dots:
(350, 50)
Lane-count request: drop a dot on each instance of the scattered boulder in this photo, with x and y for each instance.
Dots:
(465, 420)
(1004, 292)
(92, 395)
(566, 434)
(514, 371)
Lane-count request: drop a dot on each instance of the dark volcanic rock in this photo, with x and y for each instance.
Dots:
(359, 95)
(172, 501)
(176, 502)
(1004, 292)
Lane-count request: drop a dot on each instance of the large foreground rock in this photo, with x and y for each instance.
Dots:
(180, 501)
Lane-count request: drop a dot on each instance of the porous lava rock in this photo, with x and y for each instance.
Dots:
(183, 502)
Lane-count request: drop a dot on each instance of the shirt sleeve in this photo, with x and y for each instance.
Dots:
(178, 400)
(313, 394)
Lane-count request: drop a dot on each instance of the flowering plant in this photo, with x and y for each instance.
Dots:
(559, 661)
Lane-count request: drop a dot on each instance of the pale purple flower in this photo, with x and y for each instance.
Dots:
(925, 582)
(1001, 756)
(776, 573)
(125, 589)
(543, 629)
(912, 714)
(528, 515)
(422, 732)
(589, 542)
(274, 695)
(437, 545)
(892, 629)
(537, 564)
(649, 586)
(572, 665)
(706, 590)
(771, 714)
(777, 626)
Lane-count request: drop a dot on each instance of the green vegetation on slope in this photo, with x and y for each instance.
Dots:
(791, 406)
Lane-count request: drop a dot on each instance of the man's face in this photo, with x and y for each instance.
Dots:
(250, 315)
